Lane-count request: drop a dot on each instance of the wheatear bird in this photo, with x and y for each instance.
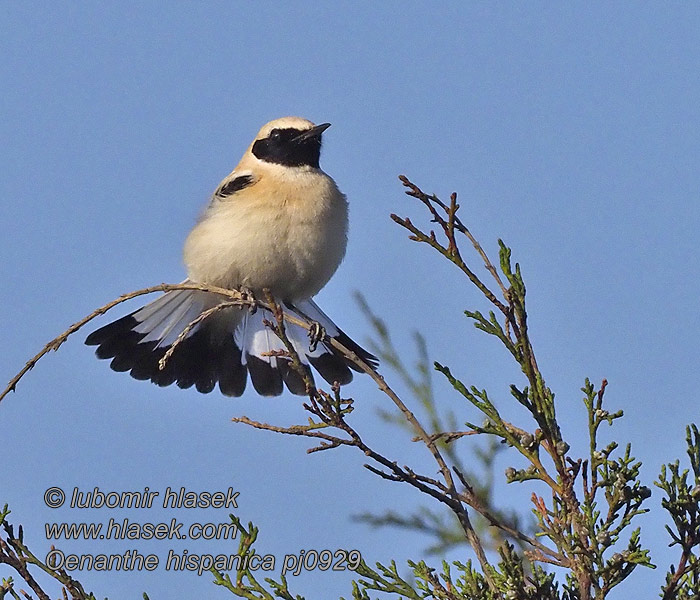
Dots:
(277, 222)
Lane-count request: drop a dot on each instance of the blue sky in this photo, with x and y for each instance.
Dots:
(568, 131)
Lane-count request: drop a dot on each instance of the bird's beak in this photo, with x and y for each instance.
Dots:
(314, 132)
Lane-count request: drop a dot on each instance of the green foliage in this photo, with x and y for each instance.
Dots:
(681, 502)
(15, 554)
(585, 538)
(440, 525)
(246, 584)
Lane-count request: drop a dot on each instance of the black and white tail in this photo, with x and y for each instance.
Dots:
(223, 348)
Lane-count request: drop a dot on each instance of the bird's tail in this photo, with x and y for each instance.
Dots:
(223, 347)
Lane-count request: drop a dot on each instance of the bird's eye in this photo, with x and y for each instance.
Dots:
(275, 134)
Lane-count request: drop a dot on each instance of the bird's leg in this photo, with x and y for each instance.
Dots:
(248, 297)
(316, 333)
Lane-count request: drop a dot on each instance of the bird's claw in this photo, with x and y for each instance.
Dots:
(249, 298)
(316, 334)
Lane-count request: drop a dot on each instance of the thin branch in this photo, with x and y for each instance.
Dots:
(236, 299)
(239, 299)
(432, 241)
(11, 558)
(416, 192)
(472, 500)
(448, 436)
(190, 326)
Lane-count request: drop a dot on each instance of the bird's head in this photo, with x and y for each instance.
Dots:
(289, 141)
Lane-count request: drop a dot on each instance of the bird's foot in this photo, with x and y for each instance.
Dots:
(316, 333)
(249, 298)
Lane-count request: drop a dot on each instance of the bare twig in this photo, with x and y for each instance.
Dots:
(190, 326)
(457, 224)
(448, 226)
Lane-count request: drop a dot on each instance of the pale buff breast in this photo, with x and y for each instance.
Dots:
(287, 235)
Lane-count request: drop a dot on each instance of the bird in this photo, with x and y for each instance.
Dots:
(276, 224)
